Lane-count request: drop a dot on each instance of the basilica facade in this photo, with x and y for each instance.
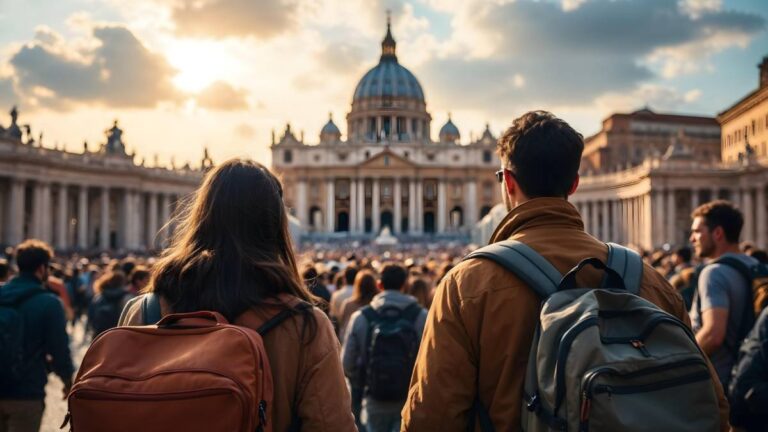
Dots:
(387, 172)
(99, 199)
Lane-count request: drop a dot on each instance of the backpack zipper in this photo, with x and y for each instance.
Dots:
(589, 390)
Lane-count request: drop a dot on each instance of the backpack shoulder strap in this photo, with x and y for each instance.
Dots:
(370, 314)
(628, 264)
(525, 263)
(737, 265)
(150, 309)
(280, 317)
(412, 312)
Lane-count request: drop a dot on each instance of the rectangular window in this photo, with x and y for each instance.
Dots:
(430, 190)
(287, 156)
(487, 156)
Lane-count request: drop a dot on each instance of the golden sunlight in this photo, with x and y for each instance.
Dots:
(199, 63)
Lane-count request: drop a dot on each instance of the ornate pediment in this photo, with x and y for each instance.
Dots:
(387, 159)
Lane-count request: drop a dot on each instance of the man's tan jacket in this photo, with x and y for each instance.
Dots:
(479, 330)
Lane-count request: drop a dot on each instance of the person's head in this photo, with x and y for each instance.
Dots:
(232, 248)
(540, 156)
(5, 270)
(349, 274)
(33, 257)
(310, 276)
(419, 288)
(759, 255)
(365, 287)
(393, 277)
(340, 281)
(716, 229)
(127, 266)
(682, 256)
(139, 277)
(111, 280)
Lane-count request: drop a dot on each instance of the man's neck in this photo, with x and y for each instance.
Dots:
(727, 248)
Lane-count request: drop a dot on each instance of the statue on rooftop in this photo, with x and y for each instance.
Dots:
(115, 143)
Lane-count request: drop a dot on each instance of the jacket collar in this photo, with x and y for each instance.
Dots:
(537, 213)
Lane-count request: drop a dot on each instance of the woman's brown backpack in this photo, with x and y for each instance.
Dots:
(190, 372)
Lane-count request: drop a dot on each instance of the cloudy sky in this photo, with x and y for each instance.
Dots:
(184, 74)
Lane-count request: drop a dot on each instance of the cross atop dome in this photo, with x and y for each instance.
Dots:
(388, 45)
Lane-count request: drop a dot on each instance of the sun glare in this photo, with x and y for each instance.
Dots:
(199, 63)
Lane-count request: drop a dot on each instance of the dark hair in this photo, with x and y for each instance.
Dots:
(684, 253)
(759, 255)
(232, 249)
(721, 213)
(31, 254)
(109, 280)
(127, 266)
(138, 273)
(543, 153)
(349, 274)
(4, 269)
(393, 276)
(365, 287)
(339, 281)
(419, 288)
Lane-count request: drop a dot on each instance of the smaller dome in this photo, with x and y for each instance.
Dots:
(330, 132)
(449, 132)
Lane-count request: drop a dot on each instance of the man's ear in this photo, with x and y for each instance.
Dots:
(379, 285)
(510, 183)
(574, 186)
(718, 233)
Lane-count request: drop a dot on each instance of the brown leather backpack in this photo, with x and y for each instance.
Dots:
(190, 372)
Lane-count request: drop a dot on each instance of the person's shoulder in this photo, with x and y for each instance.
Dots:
(474, 277)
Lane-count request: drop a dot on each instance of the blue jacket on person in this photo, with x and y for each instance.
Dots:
(45, 334)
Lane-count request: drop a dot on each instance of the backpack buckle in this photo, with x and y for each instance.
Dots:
(533, 403)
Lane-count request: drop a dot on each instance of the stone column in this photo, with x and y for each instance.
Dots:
(16, 213)
(715, 193)
(125, 228)
(411, 205)
(152, 221)
(301, 203)
(671, 218)
(43, 215)
(352, 206)
(748, 234)
(658, 218)
(104, 223)
(586, 216)
(376, 207)
(330, 210)
(361, 205)
(441, 200)
(736, 197)
(760, 218)
(82, 217)
(694, 198)
(606, 232)
(138, 220)
(419, 221)
(647, 221)
(398, 206)
(61, 218)
(470, 212)
(615, 221)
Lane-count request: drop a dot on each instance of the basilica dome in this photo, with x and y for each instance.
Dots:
(388, 78)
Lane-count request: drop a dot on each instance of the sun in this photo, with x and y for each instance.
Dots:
(199, 63)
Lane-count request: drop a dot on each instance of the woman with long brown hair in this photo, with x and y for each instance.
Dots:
(364, 289)
(232, 253)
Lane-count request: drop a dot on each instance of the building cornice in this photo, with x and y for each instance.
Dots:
(746, 103)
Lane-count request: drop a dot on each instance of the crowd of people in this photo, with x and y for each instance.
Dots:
(406, 337)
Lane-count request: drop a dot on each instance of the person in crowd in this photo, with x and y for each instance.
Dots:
(721, 314)
(232, 253)
(111, 297)
(759, 255)
(479, 332)
(5, 271)
(682, 277)
(45, 344)
(138, 279)
(316, 287)
(419, 288)
(56, 285)
(342, 294)
(365, 289)
(681, 259)
(748, 389)
(367, 350)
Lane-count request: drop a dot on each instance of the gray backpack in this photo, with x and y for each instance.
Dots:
(604, 359)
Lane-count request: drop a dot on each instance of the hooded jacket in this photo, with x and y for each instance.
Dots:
(45, 333)
(480, 328)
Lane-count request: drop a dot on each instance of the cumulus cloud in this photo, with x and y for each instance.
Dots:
(118, 71)
(222, 96)
(234, 18)
(571, 56)
(245, 131)
(8, 95)
(656, 96)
